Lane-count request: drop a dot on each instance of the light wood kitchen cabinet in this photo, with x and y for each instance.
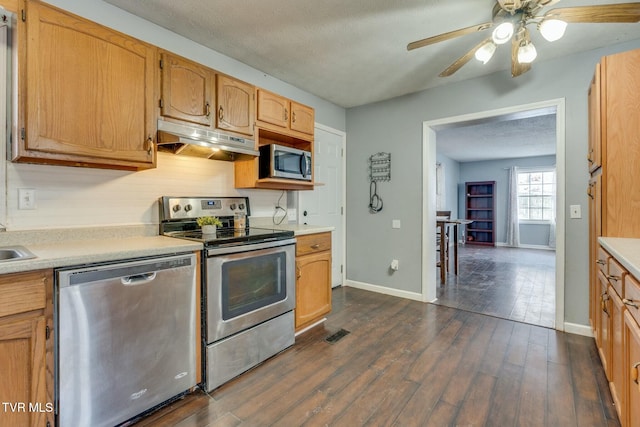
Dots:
(235, 106)
(595, 142)
(26, 348)
(631, 415)
(313, 278)
(597, 257)
(617, 351)
(280, 114)
(604, 332)
(86, 93)
(187, 90)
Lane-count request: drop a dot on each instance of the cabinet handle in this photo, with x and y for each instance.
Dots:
(601, 262)
(316, 246)
(634, 373)
(630, 302)
(298, 272)
(149, 144)
(589, 192)
(286, 114)
(207, 110)
(293, 117)
(603, 302)
(614, 278)
(220, 113)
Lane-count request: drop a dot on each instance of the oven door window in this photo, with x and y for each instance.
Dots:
(251, 283)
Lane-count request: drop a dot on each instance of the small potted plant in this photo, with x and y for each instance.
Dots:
(209, 224)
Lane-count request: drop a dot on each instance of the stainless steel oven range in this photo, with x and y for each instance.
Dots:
(248, 283)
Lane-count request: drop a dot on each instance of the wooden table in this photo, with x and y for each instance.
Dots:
(445, 223)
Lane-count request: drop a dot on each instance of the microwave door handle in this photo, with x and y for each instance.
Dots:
(303, 165)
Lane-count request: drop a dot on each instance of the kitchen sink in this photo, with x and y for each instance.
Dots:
(14, 253)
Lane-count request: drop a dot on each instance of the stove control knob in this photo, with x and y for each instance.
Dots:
(176, 208)
(232, 206)
(187, 208)
(241, 206)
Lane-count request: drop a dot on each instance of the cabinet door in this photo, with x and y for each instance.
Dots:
(273, 109)
(595, 231)
(617, 349)
(604, 344)
(22, 369)
(594, 156)
(89, 93)
(313, 287)
(187, 90)
(236, 105)
(302, 118)
(632, 366)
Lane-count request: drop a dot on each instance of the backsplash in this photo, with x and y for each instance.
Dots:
(80, 197)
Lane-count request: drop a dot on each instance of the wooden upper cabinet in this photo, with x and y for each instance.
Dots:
(273, 109)
(187, 90)
(302, 118)
(87, 93)
(594, 157)
(235, 106)
(280, 114)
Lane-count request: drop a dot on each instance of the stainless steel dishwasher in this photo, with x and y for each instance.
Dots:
(126, 338)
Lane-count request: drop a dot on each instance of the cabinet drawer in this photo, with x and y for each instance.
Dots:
(312, 243)
(632, 296)
(616, 275)
(602, 258)
(22, 292)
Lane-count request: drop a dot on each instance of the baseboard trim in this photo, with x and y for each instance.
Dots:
(384, 290)
(575, 328)
(311, 326)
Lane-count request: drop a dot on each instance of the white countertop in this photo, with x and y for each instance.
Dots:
(298, 229)
(57, 248)
(626, 251)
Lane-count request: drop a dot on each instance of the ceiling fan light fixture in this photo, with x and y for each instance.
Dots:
(502, 33)
(527, 53)
(552, 29)
(486, 51)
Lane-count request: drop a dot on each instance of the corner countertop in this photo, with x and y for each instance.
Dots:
(625, 250)
(64, 250)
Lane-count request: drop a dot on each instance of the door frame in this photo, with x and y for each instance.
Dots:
(429, 194)
(343, 201)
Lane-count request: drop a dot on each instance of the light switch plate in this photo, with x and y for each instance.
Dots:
(395, 223)
(575, 211)
(26, 198)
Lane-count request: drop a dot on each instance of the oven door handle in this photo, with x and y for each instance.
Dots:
(250, 247)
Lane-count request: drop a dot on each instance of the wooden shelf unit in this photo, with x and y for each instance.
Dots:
(480, 207)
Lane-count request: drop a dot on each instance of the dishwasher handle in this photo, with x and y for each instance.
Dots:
(138, 279)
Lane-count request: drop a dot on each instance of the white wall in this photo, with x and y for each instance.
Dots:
(372, 243)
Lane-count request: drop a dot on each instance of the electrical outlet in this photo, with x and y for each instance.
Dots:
(26, 198)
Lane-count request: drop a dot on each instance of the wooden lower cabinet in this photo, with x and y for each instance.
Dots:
(617, 351)
(26, 356)
(631, 363)
(313, 279)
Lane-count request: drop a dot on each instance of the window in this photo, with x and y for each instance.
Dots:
(536, 195)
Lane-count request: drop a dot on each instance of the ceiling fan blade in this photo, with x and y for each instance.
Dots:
(449, 35)
(622, 12)
(458, 63)
(517, 68)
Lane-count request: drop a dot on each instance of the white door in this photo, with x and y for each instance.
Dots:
(324, 205)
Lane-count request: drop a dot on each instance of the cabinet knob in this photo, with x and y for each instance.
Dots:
(298, 272)
(316, 246)
(149, 144)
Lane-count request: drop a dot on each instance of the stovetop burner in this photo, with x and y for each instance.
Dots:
(178, 219)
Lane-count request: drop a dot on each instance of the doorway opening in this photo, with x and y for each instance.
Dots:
(431, 287)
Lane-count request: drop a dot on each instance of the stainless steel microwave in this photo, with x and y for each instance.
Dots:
(279, 161)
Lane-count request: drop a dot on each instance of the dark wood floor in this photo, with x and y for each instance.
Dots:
(407, 363)
(517, 284)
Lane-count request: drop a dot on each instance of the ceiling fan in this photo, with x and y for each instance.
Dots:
(510, 22)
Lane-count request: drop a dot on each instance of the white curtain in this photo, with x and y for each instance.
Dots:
(513, 227)
(552, 222)
(441, 200)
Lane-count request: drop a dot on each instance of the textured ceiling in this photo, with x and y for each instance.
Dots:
(353, 52)
(499, 138)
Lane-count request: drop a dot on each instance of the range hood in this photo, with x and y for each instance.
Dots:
(211, 144)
